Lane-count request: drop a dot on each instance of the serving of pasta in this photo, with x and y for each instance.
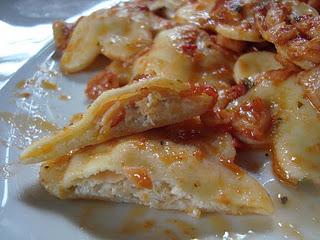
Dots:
(187, 85)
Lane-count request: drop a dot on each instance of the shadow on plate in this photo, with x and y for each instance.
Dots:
(126, 221)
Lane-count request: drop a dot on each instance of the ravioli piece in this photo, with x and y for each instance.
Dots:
(183, 167)
(310, 80)
(133, 108)
(188, 54)
(196, 13)
(250, 64)
(296, 142)
(293, 27)
(118, 33)
(295, 137)
(235, 19)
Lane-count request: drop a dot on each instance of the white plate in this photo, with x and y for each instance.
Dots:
(28, 212)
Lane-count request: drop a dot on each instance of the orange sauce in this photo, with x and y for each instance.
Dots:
(76, 118)
(64, 97)
(232, 166)
(314, 148)
(245, 68)
(172, 157)
(198, 154)
(24, 95)
(141, 144)
(134, 222)
(24, 83)
(222, 198)
(188, 132)
(21, 84)
(139, 176)
(148, 224)
(185, 227)
(135, 227)
(119, 116)
(170, 234)
(199, 90)
(45, 84)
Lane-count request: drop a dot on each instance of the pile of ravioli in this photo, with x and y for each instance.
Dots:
(186, 86)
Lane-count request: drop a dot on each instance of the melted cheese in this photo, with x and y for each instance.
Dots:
(169, 155)
(145, 105)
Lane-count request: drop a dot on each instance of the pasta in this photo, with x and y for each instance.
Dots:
(186, 84)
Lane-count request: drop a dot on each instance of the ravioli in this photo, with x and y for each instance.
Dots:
(234, 19)
(310, 80)
(245, 72)
(134, 108)
(184, 167)
(296, 142)
(118, 33)
(250, 64)
(196, 13)
(188, 54)
(296, 132)
(293, 27)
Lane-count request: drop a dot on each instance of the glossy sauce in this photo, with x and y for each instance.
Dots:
(45, 84)
(137, 227)
(25, 83)
(101, 82)
(136, 223)
(64, 97)
(187, 133)
(170, 234)
(24, 95)
(21, 84)
(186, 228)
(119, 116)
(139, 176)
(232, 166)
(25, 128)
